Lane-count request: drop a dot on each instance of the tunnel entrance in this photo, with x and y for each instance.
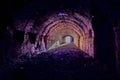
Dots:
(60, 35)
(68, 39)
(75, 29)
(59, 30)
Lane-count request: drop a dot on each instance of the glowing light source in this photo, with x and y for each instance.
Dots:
(62, 14)
(68, 39)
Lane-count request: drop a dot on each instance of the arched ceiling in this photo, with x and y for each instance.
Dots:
(62, 25)
(51, 33)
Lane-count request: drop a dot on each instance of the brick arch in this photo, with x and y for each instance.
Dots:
(82, 30)
(57, 27)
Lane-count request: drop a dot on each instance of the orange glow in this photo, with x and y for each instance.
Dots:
(55, 34)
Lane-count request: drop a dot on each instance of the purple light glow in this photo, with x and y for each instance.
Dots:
(62, 14)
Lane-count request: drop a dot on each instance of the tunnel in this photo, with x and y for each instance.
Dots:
(63, 29)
